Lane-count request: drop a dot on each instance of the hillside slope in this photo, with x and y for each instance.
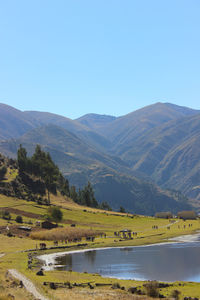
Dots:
(13, 123)
(170, 155)
(80, 163)
(123, 131)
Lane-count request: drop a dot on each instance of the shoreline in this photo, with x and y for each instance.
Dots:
(50, 259)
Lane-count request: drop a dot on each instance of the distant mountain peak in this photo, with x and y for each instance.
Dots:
(95, 121)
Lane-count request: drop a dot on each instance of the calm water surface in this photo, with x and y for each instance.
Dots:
(166, 262)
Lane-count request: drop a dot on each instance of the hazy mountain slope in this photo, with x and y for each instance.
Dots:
(81, 163)
(45, 118)
(13, 123)
(126, 129)
(60, 139)
(181, 168)
(81, 130)
(170, 155)
(135, 195)
(95, 121)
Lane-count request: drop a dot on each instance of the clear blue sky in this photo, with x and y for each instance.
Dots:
(102, 56)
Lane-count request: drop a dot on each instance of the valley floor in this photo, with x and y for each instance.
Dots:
(13, 255)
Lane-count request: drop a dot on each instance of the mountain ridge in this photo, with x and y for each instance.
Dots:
(113, 151)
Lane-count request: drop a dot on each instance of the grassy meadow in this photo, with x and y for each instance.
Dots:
(86, 220)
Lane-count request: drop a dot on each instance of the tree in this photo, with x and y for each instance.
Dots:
(22, 159)
(19, 219)
(73, 194)
(87, 196)
(122, 209)
(3, 171)
(55, 214)
(63, 185)
(44, 167)
(105, 206)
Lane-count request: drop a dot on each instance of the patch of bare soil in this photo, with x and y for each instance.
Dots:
(22, 213)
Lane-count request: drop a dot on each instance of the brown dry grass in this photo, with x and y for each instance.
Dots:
(60, 234)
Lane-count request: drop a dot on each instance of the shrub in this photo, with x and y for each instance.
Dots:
(116, 286)
(5, 215)
(152, 289)
(122, 209)
(3, 171)
(175, 294)
(54, 214)
(19, 219)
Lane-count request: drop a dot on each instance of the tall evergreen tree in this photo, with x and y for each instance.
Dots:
(87, 196)
(22, 159)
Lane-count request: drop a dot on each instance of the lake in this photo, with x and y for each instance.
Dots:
(164, 262)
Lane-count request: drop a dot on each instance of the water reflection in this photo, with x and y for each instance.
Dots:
(169, 262)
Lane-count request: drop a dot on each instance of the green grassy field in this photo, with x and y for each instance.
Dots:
(87, 218)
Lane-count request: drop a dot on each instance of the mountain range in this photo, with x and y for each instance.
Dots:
(146, 161)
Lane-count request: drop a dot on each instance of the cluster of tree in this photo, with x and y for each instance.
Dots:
(3, 167)
(41, 166)
(38, 175)
(86, 197)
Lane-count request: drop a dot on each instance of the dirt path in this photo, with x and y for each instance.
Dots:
(30, 287)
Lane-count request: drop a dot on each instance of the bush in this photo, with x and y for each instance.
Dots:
(122, 209)
(175, 294)
(152, 289)
(116, 286)
(54, 214)
(3, 171)
(19, 219)
(5, 215)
